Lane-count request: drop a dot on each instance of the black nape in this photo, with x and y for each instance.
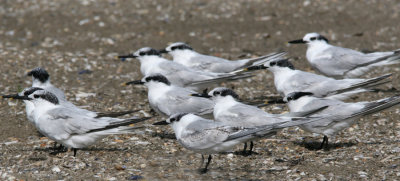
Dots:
(158, 78)
(182, 47)
(230, 92)
(39, 73)
(285, 63)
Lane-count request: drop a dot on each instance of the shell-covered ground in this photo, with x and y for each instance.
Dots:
(76, 41)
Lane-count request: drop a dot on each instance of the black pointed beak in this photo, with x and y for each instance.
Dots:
(15, 96)
(257, 67)
(162, 51)
(201, 95)
(300, 41)
(136, 82)
(276, 101)
(161, 123)
(127, 56)
(29, 73)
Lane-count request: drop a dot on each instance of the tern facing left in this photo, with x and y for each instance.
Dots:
(287, 79)
(184, 54)
(338, 115)
(208, 137)
(41, 78)
(167, 99)
(230, 111)
(339, 62)
(152, 63)
(68, 126)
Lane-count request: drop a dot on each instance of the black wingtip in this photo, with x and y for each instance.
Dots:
(300, 41)
(161, 123)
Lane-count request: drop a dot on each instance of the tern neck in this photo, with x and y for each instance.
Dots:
(182, 56)
(180, 126)
(148, 62)
(38, 83)
(42, 107)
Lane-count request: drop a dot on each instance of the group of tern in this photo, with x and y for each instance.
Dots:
(216, 121)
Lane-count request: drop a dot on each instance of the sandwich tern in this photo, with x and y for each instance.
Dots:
(184, 54)
(151, 63)
(67, 125)
(338, 62)
(338, 115)
(208, 137)
(167, 99)
(287, 80)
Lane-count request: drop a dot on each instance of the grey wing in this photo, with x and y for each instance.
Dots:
(183, 75)
(303, 80)
(206, 62)
(180, 101)
(248, 116)
(61, 123)
(344, 59)
(336, 111)
(203, 134)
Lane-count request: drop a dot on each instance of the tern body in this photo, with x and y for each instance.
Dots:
(66, 125)
(338, 115)
(288, 80)
(152, 63)
(185, 55)
(338, 62)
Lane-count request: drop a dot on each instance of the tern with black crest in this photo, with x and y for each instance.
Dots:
(338, 62)
(338, 115)
(168, 99)
(287, 79)
(208, 137)
(67, 125)
(151, 63)
(184, 54)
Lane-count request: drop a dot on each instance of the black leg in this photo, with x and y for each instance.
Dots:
(208, 162)
(202, 161)
(75, 151)
(54, 147)
(60, 148)
(324, 142)
(244, 148)
(251, 147)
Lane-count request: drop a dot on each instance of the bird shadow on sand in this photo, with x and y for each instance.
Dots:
(53, 151)
(316, 145)
(164, 135)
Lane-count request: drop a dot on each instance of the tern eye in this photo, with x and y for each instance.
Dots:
(172, 120)
(313, 38)
(142, 53)
(173, 48)
(36, 96)
(273, 63)
(217, 93)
